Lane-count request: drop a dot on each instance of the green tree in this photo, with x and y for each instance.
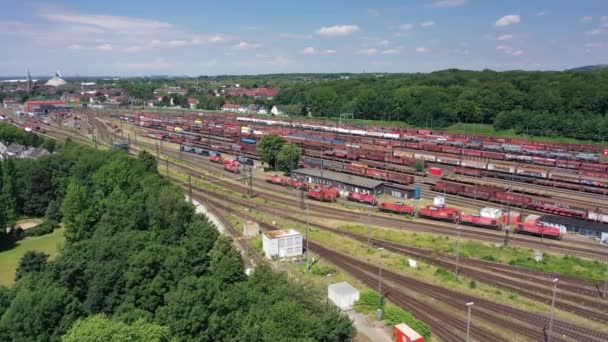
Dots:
(78, 216)
(419, 166)
(269, 147)
(100, 328)
(226, 265)
(148, 160)
(31, 262)
(289, 157)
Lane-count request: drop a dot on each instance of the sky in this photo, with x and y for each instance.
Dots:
(135, 37)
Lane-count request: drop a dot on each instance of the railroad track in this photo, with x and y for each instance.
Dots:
(530, 324)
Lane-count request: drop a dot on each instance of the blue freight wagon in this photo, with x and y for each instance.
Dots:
(249, 141)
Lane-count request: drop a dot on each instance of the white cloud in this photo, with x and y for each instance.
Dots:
(540, 14)
(506, 48)
(104, 47)
(508, 20)
(406, 27)
(594, 32)
(605, 18)
(391, 52)
(289, 35)
(370, 51)
(107, 22)
(75, 47)
(158, 63)
(517, 53)
(329, 51)
(246, 46)
(337, 30)
(427, 23)
(593, 45)
(504, 37)
(421, 49)
(308, 51)
(383, 42)
(586, 18)
(449, 3)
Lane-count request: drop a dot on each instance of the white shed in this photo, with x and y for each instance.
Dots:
(343, 295)
(282, 243)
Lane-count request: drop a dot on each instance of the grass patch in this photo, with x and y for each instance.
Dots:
(567, 265)
(391, 314)
(49, 244)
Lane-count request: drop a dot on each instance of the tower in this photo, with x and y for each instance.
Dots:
(30, 84)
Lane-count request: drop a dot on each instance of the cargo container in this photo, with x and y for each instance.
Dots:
(361, 198)
(435, 171)
(398, 208)
(248, 141)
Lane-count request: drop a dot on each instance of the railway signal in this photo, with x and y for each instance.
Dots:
(469, 306)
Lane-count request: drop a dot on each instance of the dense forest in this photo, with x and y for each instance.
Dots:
(139, 264)
(572, 104)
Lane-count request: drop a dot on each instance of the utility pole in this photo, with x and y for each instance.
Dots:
(469, 306)
(190, 188)
(379, 312)
(250, 188)
(458, 252)
(552, 309)
(307, 261)
(606, 284)
(157, 152)
(369, 231)
(167, 166)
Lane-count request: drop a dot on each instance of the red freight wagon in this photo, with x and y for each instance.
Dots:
(361, 198)
(594, 174)
(553, 209)
(403, 333)
(479, 221)
(593, 167)
(414, 146)
(479, 192)
(355, 168)
(450, 188)
(398, 208)
(451, 149)
(400, 178)
(435, 171)
(493, 155)
(441, 214)
(568, 164)
(513, 199)
(468, 172)
(543, 161)
(533, 228)
(472, 153)
(375, 173)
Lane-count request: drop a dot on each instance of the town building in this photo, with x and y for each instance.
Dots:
(574, 225)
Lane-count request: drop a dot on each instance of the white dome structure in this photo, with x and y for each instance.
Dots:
(56, 81)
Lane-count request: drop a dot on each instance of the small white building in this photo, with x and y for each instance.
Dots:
(343, 294)
(276, 111)
(284, 243)
(251, 228)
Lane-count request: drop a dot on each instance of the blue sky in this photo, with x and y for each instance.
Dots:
(248, 37)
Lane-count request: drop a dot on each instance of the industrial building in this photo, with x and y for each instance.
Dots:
(401, 191)
(341, 181)
(573, 225)
(343, 295)
(284, 243)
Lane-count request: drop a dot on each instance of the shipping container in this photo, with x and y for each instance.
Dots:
(435, 171)
(403, 333)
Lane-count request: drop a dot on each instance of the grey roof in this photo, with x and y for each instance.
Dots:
(2, 148)
(573, 222)
(343, 288)
(15, 149)
(341, 177)
(35, 152)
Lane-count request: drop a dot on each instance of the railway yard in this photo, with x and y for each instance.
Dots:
(552, 199)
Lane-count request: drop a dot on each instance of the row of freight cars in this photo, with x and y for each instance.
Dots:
(500, 195)
(358, 169)
(394, 136)
(209, 153)
(489, 218)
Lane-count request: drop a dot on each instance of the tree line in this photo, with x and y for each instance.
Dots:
(571, 103)
(139, 264)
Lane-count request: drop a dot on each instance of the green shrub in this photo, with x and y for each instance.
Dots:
(394, 315)
(473, 284)
(46, 227)
(445, 275)
(368, 302)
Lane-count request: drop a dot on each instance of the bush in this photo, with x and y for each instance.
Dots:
(473, 284)
(445, 275)
(394, 315)
(46, 227)
(368, 301)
